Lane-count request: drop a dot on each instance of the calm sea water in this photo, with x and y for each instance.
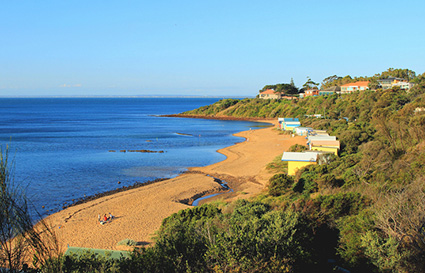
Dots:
(62, 147)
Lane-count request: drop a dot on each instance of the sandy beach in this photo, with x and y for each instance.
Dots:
(139, 212)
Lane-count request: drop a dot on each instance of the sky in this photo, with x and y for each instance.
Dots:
(200, 48)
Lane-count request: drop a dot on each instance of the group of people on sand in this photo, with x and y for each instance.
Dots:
(105, 219)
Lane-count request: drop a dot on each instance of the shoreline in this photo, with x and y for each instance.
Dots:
(93, 197)
(139, 211)
(266, 120)
(137, 184)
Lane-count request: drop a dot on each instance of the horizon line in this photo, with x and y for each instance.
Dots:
(121, 96)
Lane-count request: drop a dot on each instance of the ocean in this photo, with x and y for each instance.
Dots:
(67, 148)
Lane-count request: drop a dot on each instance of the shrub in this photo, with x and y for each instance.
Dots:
(279, 184)
(297, 148)
(127, 242)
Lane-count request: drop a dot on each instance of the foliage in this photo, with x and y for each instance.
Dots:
(398, 73)
(364, 209)
(279, 184)
(127, 242)
(309, 84)
(282, 88)
(297, 148)
(19, 239)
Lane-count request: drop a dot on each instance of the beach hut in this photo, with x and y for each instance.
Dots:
(319, 133)
(280, 120)
(329, 146)
(298, 160)
(321, 137)
(302, 131)
(290, 123)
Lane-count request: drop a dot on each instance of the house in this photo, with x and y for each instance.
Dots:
(288, 124)
(355, 86)
(270, 94)
(404, 85)
(297, 161)
(329, 91)
(311, 92)
(391, 82)
(327, 146)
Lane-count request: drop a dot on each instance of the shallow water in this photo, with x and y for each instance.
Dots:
(62, 147)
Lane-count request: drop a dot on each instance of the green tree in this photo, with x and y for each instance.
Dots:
(286, 89)
(398, 73)
(330, 81)
(373, 84)
(309, 84)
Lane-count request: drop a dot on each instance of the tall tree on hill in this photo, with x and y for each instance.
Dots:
(398, 73)
(330, 81)
(309, 84)
(373, 84)
(282, 88)
(286, 89)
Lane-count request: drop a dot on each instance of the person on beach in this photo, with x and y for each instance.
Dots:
(105, 219)
(98, 217)
(111, 217)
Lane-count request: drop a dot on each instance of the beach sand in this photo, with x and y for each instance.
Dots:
(139, 212)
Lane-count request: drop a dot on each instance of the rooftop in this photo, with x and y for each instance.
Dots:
(305, 157)
(268, 92)
(361, 83)
(325, 143)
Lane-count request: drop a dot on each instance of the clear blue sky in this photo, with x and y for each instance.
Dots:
(224, 48)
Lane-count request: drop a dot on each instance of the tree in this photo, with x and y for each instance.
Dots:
(330, 81)
(284, 88)
(373, 84)
(398, 73)
(309, 84)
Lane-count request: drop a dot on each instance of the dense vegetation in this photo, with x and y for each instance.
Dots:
(290, 89)
(363, 211)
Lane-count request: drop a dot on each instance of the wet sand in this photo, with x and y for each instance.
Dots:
(139, 212)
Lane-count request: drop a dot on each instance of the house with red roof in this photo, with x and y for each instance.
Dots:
(354, 86)
(311, 92)
(270, 94)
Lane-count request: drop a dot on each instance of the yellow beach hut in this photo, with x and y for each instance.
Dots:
(329, 146)
(298, 160)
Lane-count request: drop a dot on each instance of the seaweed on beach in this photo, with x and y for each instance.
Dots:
(111, 192)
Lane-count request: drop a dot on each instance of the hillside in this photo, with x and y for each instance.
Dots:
(364, 211)
(371, 197)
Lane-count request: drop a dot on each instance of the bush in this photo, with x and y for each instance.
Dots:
(297, 148)
(279, 184)
(127, 242)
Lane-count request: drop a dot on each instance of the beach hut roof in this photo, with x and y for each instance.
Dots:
(325, 143)
(304, 128)
(290, 119)
(305, 157)
(321, 137)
